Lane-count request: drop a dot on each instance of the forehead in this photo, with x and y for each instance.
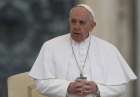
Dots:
(79, 12)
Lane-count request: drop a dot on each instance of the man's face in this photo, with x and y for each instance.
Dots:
(80, 23)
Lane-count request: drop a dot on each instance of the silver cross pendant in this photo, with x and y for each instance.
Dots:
(82, 77)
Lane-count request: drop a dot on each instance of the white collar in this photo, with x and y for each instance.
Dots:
(84, 42)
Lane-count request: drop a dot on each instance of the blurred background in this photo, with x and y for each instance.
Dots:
(26, 24)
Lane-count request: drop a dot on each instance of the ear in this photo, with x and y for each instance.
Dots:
(93, 24)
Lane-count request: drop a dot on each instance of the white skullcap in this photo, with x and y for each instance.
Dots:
(87, 8)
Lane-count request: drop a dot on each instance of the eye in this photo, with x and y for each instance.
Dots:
(73, 21)
(82, 22)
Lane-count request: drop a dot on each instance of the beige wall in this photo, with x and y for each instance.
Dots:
(138, 46)
(115, 24)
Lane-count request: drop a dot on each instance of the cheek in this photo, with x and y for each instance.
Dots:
(85, 29)
(70, 27)
(84, 33)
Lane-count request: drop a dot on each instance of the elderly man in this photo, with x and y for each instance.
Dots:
(79, 64)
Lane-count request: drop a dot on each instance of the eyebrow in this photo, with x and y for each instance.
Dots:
(73, 20)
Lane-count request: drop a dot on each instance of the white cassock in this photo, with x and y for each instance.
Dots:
(56, 67)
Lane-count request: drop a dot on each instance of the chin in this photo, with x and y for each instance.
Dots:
(77, 40)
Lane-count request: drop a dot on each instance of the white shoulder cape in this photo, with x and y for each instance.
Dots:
(105, 64)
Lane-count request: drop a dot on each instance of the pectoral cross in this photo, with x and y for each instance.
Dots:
(82, 77)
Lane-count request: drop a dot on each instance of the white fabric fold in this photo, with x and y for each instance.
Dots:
(53, 87)
(105, 65)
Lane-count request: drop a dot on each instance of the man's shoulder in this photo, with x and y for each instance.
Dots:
(103, 43)
(57, 40)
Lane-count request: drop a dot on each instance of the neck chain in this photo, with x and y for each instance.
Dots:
(87, 52)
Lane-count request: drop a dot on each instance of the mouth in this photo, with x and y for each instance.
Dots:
(76, 33)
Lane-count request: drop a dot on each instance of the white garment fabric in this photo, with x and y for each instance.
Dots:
(58, 88)
(104, 64)
(81, 52)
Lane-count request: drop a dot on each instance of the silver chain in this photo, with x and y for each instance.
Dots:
(83, 66)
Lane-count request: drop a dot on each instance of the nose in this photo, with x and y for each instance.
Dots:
(77, 26)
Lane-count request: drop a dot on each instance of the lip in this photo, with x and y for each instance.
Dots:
(76, 33)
